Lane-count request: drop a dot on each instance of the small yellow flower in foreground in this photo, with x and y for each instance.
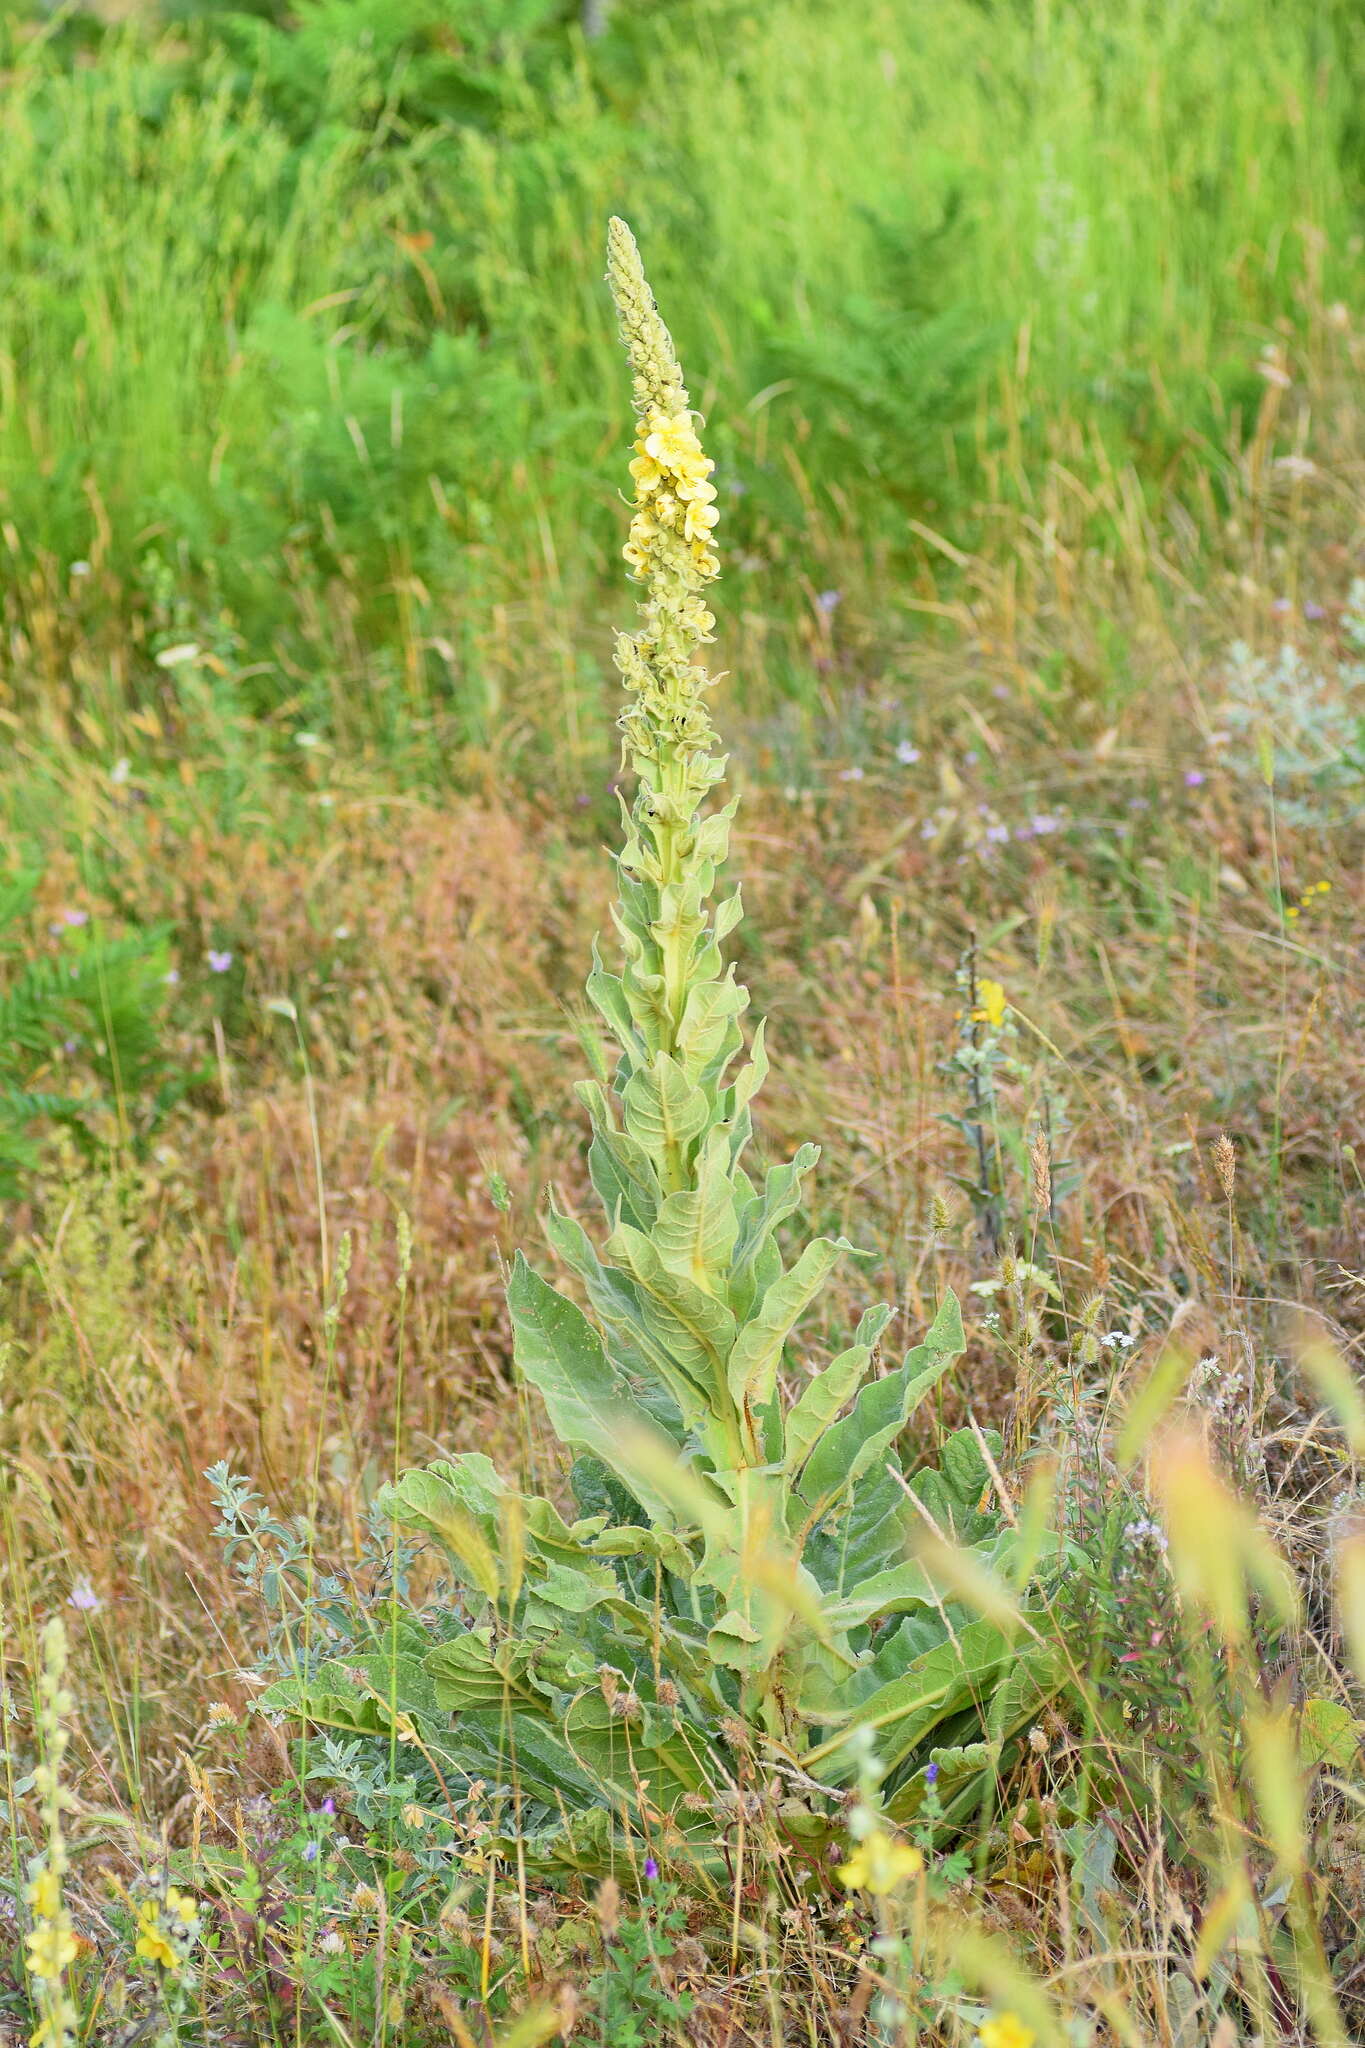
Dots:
(152, 1943)
(45, 1895)
(879, 1864)
(1006, 2030)
(993, 1004)
(51, 1948)
(182, 1905)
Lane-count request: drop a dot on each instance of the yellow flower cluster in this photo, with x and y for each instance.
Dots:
(1305, 901)
(674, 495)
(880, 1864)
(671, 544)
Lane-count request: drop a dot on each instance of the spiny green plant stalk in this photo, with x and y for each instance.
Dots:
(742, 1575)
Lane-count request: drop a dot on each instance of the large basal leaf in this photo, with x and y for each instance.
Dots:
(960, 1671)
(751, 1272)
(908, 1585)
(963, 1673)
(881, 1411)
(362, 1696)
(969, 1768)
(648, 1752)
(694, 1328)
(823, 1397)
(590, 1406)
(757, 1352)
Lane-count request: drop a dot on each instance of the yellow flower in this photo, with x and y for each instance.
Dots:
(879, 1864)
(992, 1005)
(673, 444)
(698, 520)
(45, 1895)
(648, 474)
(51, 1948)
(152, 1944)
(1006, 2030)
(182, 1905)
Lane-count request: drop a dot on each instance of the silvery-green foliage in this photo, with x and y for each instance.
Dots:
(740, 1586)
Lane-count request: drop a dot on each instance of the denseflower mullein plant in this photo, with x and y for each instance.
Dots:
(740, 1578)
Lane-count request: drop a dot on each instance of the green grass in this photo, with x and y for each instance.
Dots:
(304, 330)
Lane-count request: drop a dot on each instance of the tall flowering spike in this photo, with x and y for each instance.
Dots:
(682, 1010)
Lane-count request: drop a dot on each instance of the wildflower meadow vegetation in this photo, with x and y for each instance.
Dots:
(683, 1296)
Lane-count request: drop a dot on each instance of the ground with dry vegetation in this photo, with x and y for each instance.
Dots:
(1043, 630)
(382, 1047)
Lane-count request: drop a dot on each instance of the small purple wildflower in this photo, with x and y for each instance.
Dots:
(906, 754)
(1280, 606)
(83, 1597)
(1194, 777)
(931, 1774)
(997, 834)
(68, 1045)
(75, 917)
(172, 980)
(829, 600)
(329, 1805)
(853, 774)
(1313, 610)
(1043, 823)
(219, 963)
(310, 1852)
(651, 1870)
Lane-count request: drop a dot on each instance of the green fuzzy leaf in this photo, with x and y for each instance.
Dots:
(952, 1492)
(823, 1397)
(454, 1503)
(961, 1671)
(751, 1274)
(907, 1585)
(696, 1330)
(608, 998)
(664, 1112)
(696, 1228)
(651, 1746)
(757, 1353)
(557, 1350)
(635, 1345)
(882, 1410)
(478, 1670)
(709, 1024)
(1330, 1734)
(622, 1171)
